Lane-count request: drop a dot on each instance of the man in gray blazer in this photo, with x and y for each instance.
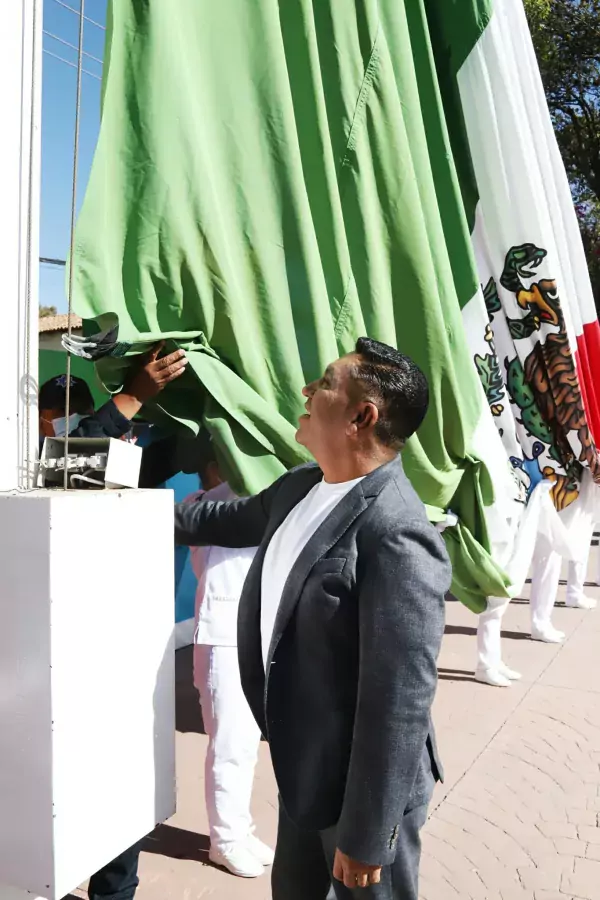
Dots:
(340, 625)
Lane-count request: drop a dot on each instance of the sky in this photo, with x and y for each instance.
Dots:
(59, 86)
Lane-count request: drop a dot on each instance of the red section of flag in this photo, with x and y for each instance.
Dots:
(588, 370)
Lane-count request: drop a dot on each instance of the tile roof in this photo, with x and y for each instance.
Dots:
(58, 323)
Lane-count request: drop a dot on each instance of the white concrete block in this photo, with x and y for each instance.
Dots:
(87, 717)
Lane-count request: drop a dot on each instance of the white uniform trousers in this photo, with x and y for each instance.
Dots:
(544, 588)
(576, 578)
(544, 584)
(489, 627)
(233, 744)
(545, 576)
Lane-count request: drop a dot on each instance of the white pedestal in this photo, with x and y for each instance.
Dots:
(87, 719)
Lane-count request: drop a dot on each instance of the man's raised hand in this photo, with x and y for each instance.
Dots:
(155, 374)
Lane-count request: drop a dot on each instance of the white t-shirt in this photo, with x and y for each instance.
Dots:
(287, 544)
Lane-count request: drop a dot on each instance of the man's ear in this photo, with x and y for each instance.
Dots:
(366, 417)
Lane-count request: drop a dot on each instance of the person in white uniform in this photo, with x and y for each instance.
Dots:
(491, 669)
(560, 536)
(546, 569)
(544, 588)
(234, 736)
(579, 518)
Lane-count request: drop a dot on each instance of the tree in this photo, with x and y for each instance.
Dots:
(46, 311)
(588, 214)
(566, 36)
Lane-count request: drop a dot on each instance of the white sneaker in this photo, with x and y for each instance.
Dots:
(548, 635)
(509, 673)
(260, 850)
(582, 602)
(492, 677)
(238, 860)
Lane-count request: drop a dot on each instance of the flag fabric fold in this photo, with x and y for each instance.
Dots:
(272, 182)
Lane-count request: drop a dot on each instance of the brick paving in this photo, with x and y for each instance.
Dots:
(519, 814)
(522, 820)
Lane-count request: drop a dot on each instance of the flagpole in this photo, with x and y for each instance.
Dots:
(20, 110)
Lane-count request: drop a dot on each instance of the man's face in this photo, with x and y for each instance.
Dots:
(327, 426)
(47, 417)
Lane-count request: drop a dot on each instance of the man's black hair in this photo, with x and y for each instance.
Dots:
(398, 388)
(53, 395)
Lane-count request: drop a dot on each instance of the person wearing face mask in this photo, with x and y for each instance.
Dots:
(113, 420)
(119, 879)
(53, 422)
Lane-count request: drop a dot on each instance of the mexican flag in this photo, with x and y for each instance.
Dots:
(275, 179)
(535, 339)
(537, 344)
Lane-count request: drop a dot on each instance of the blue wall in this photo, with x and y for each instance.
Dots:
(185, 580)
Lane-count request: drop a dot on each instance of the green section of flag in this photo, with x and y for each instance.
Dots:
(451, 170)
(273, 180)
(455, 27)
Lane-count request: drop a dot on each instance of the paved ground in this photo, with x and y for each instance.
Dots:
(518, 816)
(520, 813)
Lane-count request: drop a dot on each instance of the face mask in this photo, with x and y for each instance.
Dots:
(63, 426)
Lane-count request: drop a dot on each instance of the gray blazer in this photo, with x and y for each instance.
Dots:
(352, 664)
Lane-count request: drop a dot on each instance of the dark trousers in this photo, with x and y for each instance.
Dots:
(119, 879)
(304, 863)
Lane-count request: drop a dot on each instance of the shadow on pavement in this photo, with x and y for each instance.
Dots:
(460, 629)
(455, 675)
(471, 632)
(177, 843)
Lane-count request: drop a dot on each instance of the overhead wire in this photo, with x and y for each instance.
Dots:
(87, 19)
(73, 65)
(60, 40)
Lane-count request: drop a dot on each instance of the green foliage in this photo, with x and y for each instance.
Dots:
(588, 213)
(46, 311)
(566, 36)
(537, 12)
